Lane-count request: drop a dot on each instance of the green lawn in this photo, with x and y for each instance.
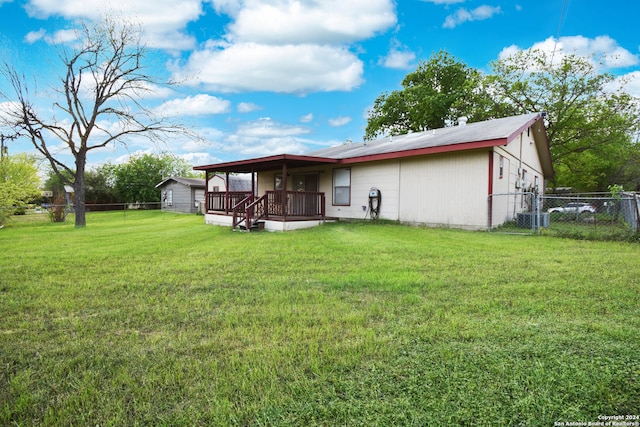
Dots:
(152, 318)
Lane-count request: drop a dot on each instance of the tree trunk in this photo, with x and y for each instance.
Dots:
(79, 199)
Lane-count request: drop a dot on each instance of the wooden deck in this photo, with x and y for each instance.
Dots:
(246, 210)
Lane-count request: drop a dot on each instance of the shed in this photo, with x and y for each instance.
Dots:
(181, 194)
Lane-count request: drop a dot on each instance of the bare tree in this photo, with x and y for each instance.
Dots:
(98, 103)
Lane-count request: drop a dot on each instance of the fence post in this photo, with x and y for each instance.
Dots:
(538, 198)
(489, 211)
(636, 225)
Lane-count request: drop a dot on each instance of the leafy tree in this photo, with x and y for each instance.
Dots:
(19, 183)
(590, 127)
(54, 184)
(435, 94)
(136, 180)
(98, 104)
(100, 185)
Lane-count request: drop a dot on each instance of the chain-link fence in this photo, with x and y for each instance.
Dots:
(60, 212)
(594, 215)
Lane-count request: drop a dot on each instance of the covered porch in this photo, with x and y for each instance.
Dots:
(278, 208)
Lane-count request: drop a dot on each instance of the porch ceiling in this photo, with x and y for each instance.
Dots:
(267, 163)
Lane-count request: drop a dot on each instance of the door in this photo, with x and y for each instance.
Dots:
(305, 200)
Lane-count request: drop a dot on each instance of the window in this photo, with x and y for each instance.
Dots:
(342, 187)
(501, 167)
(277, 182)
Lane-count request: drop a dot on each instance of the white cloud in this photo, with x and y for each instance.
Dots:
(265, 137)
(270, 45)
(254, 139)
(633, 85)
(443, 1)
(297, 69)
(630, 83)
(248, 107)
(34, 36)
(154, 91)
(199, 158)
(307, 118)
(164, 21)
(229, 7)
(6, 109)
(266, 128)
(288, 46)
(298, 22)
(339, 121)
(601, 48)
(398, 59)
(197, 105)
(59, 37)
(463, 15)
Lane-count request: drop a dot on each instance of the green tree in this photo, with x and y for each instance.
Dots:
(101, 85)
(136, 180)
(100, 185)
(589, 125)
(19, 183)
(55, 184)
(438, 92)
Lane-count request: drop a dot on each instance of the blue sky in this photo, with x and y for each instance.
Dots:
(262, 77)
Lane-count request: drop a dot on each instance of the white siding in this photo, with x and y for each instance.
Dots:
(449, 189)
(217, 181)
(523, 156)
(364, 176)
(445, 190)
(522, 172)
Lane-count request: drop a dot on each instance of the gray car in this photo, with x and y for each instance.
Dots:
(574, 208)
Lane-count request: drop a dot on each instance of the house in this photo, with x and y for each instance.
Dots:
(440, 177)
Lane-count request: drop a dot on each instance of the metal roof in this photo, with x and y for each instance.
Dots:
(189, 182)
(494, 132)
(477, 135)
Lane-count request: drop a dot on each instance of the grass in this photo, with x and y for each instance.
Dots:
(592, 227)
(156, 318)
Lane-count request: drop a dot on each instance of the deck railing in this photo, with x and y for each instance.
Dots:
(273, 204)
(295, 204)
(242, 212)
(217, 200)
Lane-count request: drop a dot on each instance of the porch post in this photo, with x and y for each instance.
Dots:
(253, 183)
(206, 191)
(284, 190)
(226, 197)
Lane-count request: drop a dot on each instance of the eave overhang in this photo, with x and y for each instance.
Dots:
(267, 163)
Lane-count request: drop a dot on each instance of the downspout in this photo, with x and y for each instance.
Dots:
(519, 180)
(490, 190)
